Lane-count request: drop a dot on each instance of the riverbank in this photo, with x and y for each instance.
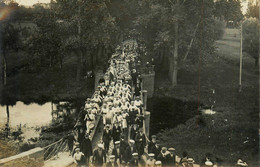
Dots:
(232, 132)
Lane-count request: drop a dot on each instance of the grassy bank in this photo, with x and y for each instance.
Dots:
(231, 133)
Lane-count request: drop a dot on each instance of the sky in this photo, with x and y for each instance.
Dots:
(31, 2)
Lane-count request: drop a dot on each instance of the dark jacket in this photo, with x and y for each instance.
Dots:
(151, 146)
(107, 136)
(140, 144)
(133, 163)
(156, 151)
(98, 159)
(116, 133)
(128, 154)
(118, 155)
(171, 160)
(86, 147)
(133, 133)
(163, 159)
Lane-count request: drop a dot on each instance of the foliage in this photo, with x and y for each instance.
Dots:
(253, 10)
(229, 10)
(251, 29)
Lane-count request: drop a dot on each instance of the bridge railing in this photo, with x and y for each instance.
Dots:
(53, 149)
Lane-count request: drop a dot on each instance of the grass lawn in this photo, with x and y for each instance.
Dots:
(232, 133)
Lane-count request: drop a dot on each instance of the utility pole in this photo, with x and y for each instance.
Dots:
(241, 59)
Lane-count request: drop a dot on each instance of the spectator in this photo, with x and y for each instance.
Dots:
(158, 164)
(78, 158)
(116, 131)
(163, 156)
(107, 136)
(118, 153)
(171, 157)
(133, 131)
(112, 162)
(71, 139)
(86, 147)
(152, 143)
(151, 161)
(129, 151)
(135, 161)
(241, 163)
(99, 156)
(140, 141)
(190, 162)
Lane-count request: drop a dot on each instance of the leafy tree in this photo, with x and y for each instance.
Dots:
(251, 28)
(253, 10)
(174, 31)
(229, 10)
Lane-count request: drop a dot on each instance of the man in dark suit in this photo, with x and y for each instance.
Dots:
(135, 160)
(118, 152)
(112, 162)
(171, 157)
(107, 136)
(140, 141)
(157, 149)
(129, 151)
(151, 144)
(163, 156)
(99, 156)
(116, 132)
(133, 131)
(86, 147)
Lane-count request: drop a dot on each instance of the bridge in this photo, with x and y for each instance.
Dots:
(122, 64)
(57, 153)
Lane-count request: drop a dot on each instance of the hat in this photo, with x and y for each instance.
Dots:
(107, 125)
(153, 136)
(208, 163)
(131, 141)
(111, 156)
(171, 149)
(158, 163)
(117, 142)
(77, 149)
(190, 160)
(164, 148)
(151, 155)
(100, 145)
(135, 154)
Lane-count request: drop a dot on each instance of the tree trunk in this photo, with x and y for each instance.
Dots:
(175, 56)
(4, 68)
(8, 114)
(256, 61)
(79, 64)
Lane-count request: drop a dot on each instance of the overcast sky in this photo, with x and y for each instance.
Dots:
(31, 2)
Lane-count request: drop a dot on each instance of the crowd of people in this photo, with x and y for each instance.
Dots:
(118, 100)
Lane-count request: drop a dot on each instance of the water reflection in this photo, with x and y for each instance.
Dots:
(30, 117)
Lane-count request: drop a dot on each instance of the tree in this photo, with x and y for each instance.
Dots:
(168, 29)
(251, 28)
(253, 10)
(9, 41)
(229, 10)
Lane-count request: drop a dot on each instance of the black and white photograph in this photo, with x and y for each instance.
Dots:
(129, 83)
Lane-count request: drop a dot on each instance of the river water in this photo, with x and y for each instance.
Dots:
(30, 116)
